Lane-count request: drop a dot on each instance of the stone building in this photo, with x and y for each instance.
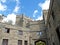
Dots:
(13, 35)
(53, 23)
(24, 32)
(35, 30)
(45, 13)
(39, 29)
(22, 20)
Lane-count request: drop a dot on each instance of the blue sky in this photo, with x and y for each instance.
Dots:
(31, 8)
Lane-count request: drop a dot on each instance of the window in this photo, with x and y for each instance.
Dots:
(58, 33)
(25, 42)
(39, 33)
(5, 42)
(19, 42)
(20, 32)
(7, 30)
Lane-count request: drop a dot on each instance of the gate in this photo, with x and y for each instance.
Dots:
(40, 42)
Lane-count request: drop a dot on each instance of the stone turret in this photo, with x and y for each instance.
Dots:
(45, 13)
(22, 20)
(19, 20)
(1, 17)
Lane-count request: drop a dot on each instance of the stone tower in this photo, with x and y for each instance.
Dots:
(19, 20)
(1, 17)
(45, 13)
(22, 20)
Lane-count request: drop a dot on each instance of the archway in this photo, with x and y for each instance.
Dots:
(40, 42)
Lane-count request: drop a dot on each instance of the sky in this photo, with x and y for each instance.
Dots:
(31, 8)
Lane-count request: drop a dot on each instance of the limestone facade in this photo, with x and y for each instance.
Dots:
(53, 23)
(24, 32)
(14, 34)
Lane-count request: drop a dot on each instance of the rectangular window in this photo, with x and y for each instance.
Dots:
(7, 30)
(25, 43)
(39, 33)
(19, 42)
(20, 32)
(5, 42)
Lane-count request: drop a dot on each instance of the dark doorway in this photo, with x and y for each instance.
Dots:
(58, 33)
(25, 43)
(40, 42)
(5, 42)
(53, 43)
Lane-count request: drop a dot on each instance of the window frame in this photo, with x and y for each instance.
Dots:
(20, 42)
(7, 30)
(20, 32)
(5, 42)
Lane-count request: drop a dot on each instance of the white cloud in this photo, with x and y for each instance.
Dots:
(2, 7)
(3, 1)
(40, 17)
(5, 19)
(11, 17)
(17, 1)
(45, 5)
(35, 12)
(17, 7)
